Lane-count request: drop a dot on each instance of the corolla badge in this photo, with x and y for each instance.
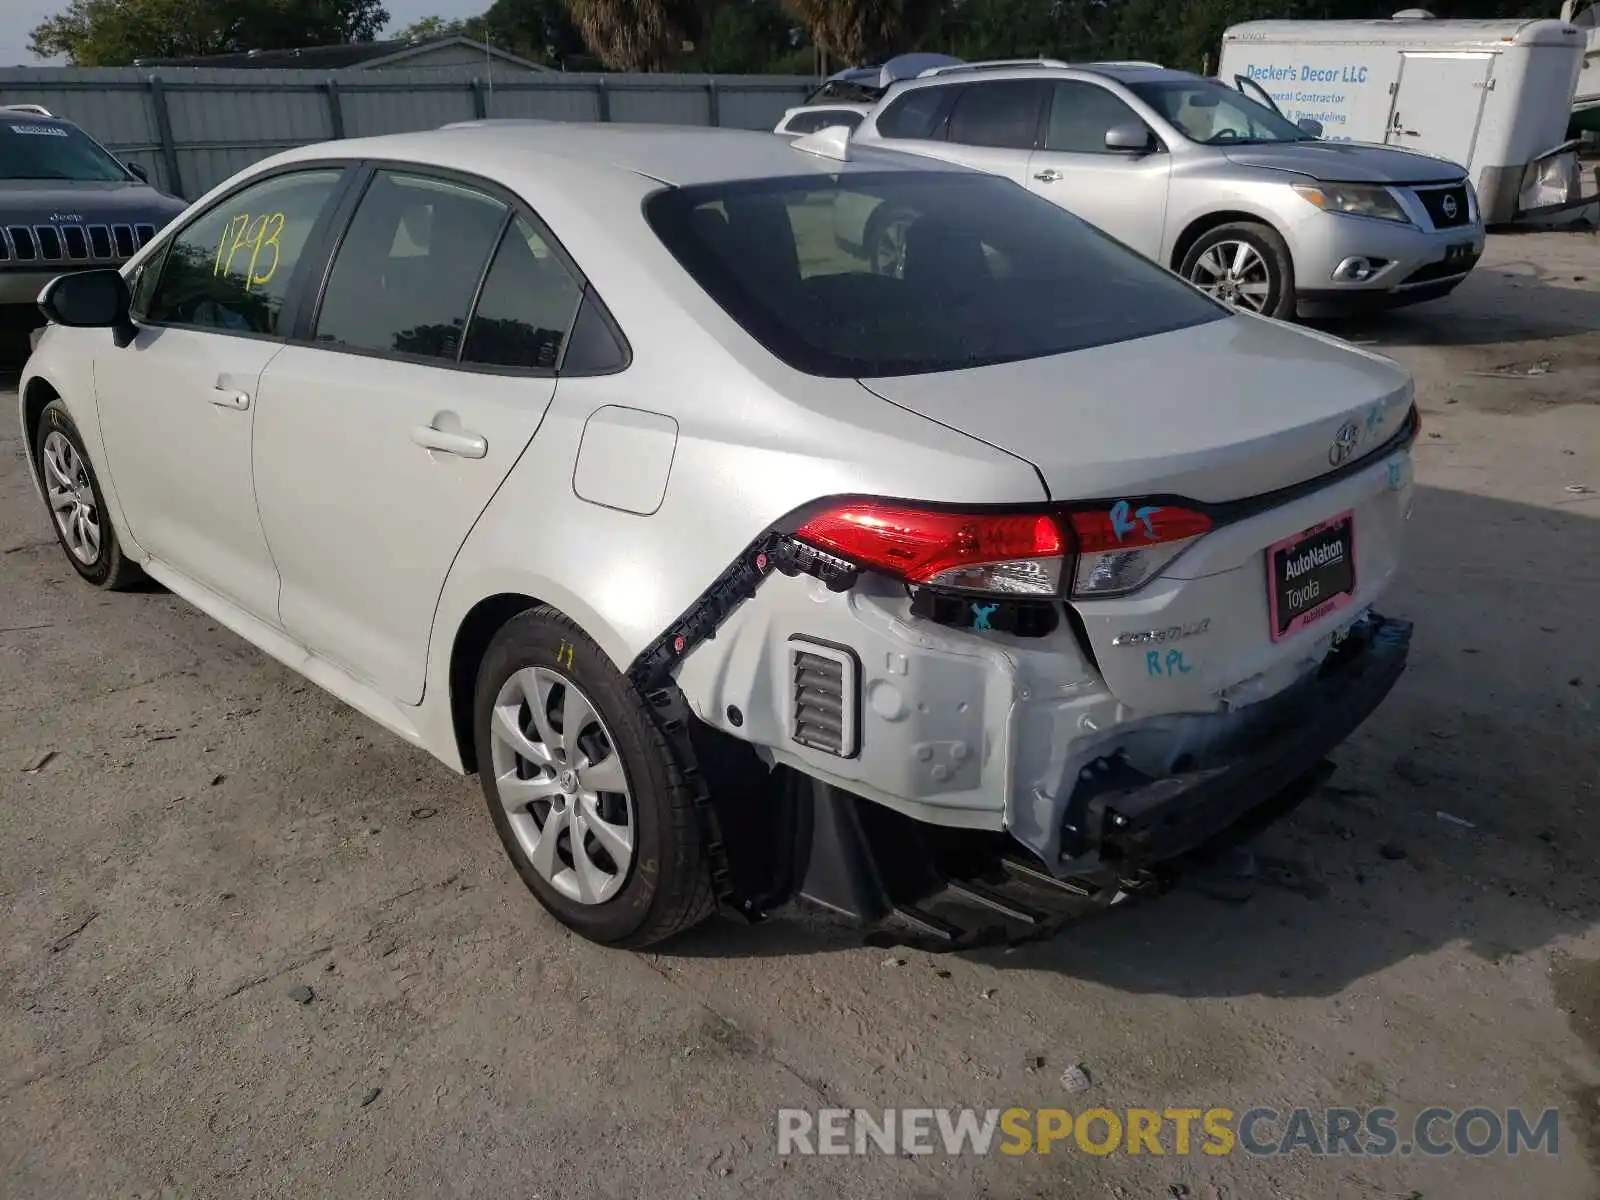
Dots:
(66, 218)
(1344, 443)
(1148, 637)
(1449, 206)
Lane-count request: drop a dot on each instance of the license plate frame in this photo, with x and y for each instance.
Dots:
(1334, 579)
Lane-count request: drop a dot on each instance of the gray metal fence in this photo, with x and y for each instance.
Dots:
(191, 129)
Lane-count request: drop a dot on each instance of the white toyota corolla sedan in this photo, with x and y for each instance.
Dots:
(585, 458)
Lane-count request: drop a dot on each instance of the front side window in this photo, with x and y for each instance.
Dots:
(405, 275)
(953, 270)
(1080, 114)
(1004, 113)
(527, 304)
(1215, 115)
(34, 149)
(230, 270)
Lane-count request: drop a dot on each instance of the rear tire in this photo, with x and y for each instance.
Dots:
(76, 505)
(1247, 266)
(637, 873)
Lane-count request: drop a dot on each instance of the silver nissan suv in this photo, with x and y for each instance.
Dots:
(1199, 176)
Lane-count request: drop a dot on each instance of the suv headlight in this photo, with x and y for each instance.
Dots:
(1357, 199)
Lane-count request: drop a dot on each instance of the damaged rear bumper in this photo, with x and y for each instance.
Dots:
(938, 888)
(1118, 820)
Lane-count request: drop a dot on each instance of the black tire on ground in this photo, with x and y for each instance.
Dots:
(667, 887)
(110, 568)
(1274, 252)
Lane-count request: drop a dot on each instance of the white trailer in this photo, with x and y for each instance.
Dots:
(1585, 14)
(1494, 96)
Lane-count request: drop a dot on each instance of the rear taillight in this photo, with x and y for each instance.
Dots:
(1123, 547)
(1088, 553)
(1021, 554)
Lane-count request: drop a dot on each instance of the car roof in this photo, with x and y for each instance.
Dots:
(21, 116)
(677, 155)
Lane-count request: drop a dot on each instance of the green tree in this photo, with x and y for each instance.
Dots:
(749, 37)
(540, 30)
(864, 31)
(112, 33)
(432, 27)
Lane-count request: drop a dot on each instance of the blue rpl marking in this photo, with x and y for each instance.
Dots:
(1175, 664)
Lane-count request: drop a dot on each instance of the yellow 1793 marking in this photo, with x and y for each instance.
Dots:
(564, 654)
(259, 236)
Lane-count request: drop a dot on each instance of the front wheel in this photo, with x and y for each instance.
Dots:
(77, 506)
(1246, 266)
(584, 789)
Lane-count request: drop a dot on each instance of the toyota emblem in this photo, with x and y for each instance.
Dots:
(1344, 443)
(1449, 206)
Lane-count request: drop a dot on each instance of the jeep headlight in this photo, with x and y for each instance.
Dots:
(1356, 199)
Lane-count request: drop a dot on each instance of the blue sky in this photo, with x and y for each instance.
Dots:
(18, 17)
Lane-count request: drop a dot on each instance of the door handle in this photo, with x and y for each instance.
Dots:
(1049, 175)
(463, 445)
(227, 397)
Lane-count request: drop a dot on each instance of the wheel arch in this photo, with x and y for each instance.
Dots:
(1206, 222)
(476, 614)
(37, 392)
(473, 635)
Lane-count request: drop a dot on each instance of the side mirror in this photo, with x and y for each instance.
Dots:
(138, 172)
(90, 300)
(1310, 125)
(1130, 138)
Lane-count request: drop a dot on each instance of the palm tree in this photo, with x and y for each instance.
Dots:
(632, 35)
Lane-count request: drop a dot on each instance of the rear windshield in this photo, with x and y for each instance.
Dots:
(903, 273)
(52, 150)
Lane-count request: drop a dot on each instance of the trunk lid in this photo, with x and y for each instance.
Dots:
(1221, 411)
(1226, 411)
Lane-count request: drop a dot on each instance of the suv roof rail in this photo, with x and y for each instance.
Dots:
(997, 64)
(993, 64)
(37, 110)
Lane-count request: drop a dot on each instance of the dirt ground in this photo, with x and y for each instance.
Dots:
(211, 833)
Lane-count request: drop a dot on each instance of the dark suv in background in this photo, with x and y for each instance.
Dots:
(65, 203)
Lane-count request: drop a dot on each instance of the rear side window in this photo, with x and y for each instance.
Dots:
(1080, 115)
(944, 271)
(527, 305)
(230, 270)
(1004, 113)
(810, 122)
(915, 114)
(405, 276)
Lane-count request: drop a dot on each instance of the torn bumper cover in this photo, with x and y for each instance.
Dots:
(1118, 820)
(932, 888)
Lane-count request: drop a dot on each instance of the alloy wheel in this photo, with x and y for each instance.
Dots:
(889, 248)
(71, 496)
(561, 781)
(1236, 273)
